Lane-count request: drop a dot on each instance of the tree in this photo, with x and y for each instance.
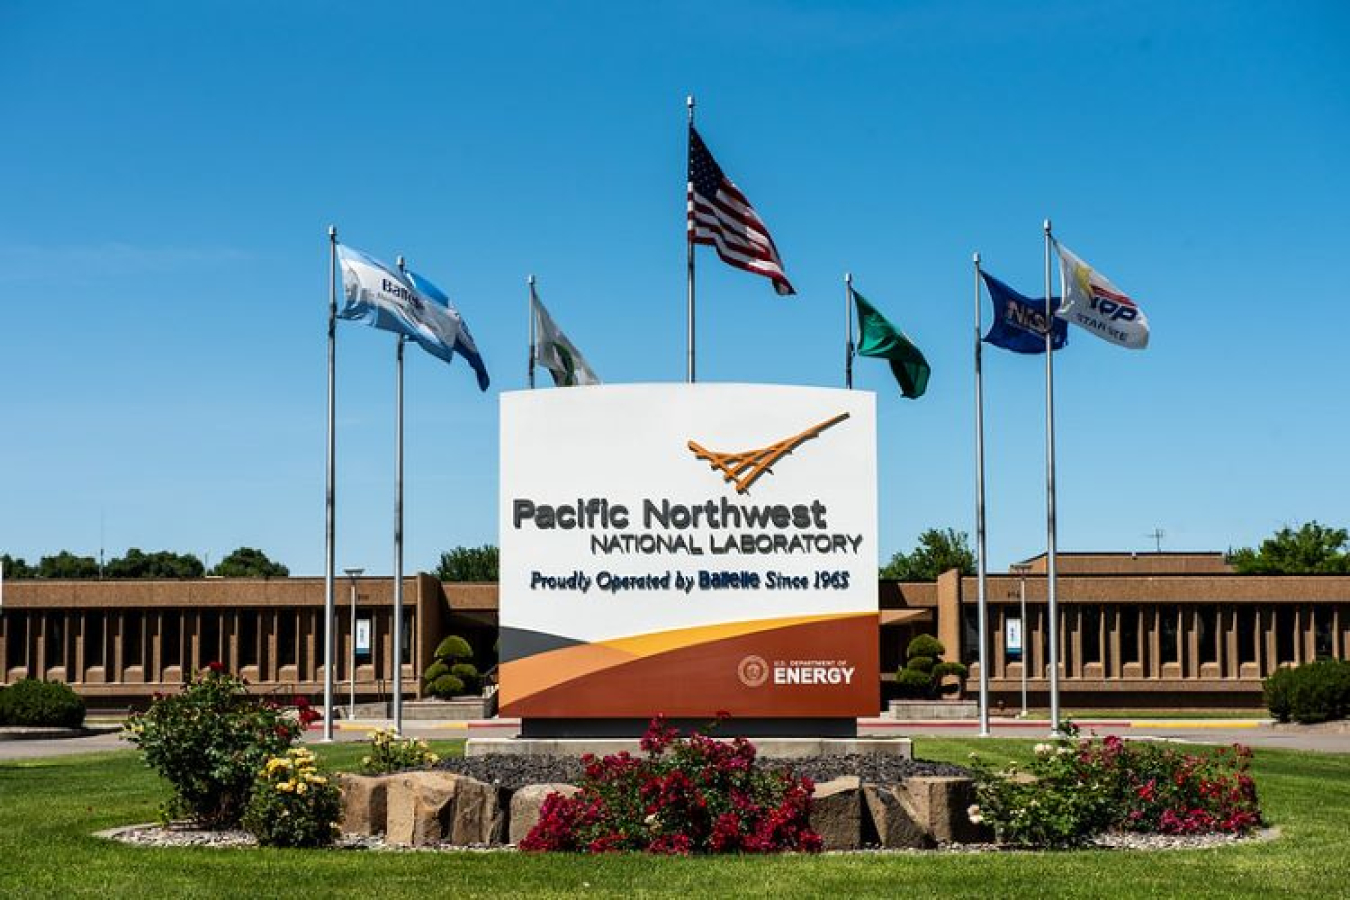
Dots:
(246, 562)
(67, 565)
(161, 564)
(469, 564)
(938, 551)
(1311, 550)
(16, 567)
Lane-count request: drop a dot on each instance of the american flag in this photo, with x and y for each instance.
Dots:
(721, 217)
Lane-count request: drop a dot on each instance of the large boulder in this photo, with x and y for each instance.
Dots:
(896, 823)
(426, 808)
(364, 803)
(836, 813)
(941, 804)
(526, 803)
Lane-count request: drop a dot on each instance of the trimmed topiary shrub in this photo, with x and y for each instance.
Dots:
(34, 703)
(451, 674)
(922, 674)
(1311, 693)
(445, 687)
(454, 648)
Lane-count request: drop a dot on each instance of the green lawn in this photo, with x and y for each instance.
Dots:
(49, 807)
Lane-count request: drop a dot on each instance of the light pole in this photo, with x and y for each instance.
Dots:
(1021, 569)
(353, 574)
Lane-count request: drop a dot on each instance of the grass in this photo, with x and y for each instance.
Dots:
(49, 807)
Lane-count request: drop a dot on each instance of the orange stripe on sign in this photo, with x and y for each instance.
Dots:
(522, 678)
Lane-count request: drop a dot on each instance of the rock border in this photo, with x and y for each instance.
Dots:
(53, 732)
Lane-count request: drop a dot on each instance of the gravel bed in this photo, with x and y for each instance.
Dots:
(186, 836)
(514, 772)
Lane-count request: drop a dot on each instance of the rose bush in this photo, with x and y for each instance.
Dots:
(293, 804)
(686, 795)
(389, 754)
(1074, 790)
(210, 740)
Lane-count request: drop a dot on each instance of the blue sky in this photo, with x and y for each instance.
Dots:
(169, 171)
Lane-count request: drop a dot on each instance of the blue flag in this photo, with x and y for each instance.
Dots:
(441, 331)
(1019, 322)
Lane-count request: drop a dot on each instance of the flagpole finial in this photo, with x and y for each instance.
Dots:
(529, 279)
(848, 278)
(332, 232)
(401, 263)
(1046, 226)
(975, 257)
(689, 102)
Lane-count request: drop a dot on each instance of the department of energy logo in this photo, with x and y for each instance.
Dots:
(744, 468)
(753, 671)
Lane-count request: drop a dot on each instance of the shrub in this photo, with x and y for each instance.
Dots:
(451, 673)
(686, 795)
(453, 648)
(468, 674)
(1075, 790)
(41, 704)
(924, 670)
(389, 754)
(1315, 692)
(445, 687)
(293, 804)
(210, 740)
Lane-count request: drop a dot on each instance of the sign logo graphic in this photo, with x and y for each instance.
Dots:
(753, 671)
(744, 468)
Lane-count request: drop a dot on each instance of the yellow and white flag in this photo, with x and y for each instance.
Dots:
(1092, 302)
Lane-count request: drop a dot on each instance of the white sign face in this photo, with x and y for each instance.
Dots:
(362, 637)
(688, 549)
(1012, 636)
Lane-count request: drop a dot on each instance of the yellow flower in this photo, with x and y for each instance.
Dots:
(301, 788)
(285, 787)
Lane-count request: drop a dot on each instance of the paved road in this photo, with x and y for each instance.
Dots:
(1214, 731)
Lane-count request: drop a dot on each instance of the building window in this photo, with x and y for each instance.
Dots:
(170, 639)
(1246, 635)
(208, 633)
(1090, 625)
(248, 638)
(1206, 623)
(133, 647)
(1129, 634)
(1168, 634)
(1284, 635)
(286, 637)
(970, 637)
(1323, 641)
(55, 651)
(93, 639)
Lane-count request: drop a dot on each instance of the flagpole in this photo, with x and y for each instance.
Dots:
(398, 527)
(530, 281)
(1052, 608)
(980, 543)
(689, 240)
(848, 330)
(329, 602)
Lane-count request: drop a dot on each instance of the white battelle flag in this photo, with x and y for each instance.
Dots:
(555, 352)
(1094, 303)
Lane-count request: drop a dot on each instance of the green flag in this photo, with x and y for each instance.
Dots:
(877, 337)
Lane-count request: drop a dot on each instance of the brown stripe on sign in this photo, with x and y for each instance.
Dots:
(703, 679)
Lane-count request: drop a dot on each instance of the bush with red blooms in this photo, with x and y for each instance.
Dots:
(685, 795)
(210, 740)
(1082, 788)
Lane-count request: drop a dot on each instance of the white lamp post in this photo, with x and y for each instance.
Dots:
(353, 574)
